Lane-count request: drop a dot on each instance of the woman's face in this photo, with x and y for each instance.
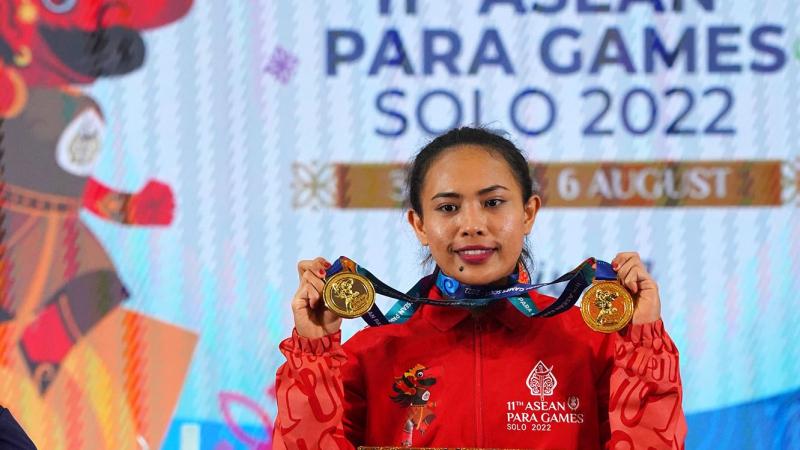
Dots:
(473, 216)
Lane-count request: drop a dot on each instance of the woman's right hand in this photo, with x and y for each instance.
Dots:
(311, 318)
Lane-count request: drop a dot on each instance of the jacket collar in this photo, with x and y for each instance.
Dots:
(502, 311)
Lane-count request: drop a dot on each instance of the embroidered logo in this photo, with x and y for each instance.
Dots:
(573, 402)
(541, 380)
(412, 390)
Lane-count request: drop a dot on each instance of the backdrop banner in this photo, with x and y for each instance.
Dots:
(166, 163)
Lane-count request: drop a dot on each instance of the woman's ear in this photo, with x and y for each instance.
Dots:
(531, 208)
(415, 220)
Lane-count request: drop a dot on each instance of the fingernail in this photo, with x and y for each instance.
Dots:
(321, 272)
(614, 265)
(327, 264)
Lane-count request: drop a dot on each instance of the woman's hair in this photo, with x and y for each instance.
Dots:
(490, 140)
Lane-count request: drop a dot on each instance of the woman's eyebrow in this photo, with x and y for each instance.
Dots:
(446, 195)
(491, 188)
(483, 191)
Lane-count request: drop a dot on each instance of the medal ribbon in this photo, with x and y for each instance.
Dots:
(463, 295)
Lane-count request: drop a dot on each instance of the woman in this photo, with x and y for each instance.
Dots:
(480, 377)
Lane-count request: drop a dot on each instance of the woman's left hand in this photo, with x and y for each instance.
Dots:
(632, 273)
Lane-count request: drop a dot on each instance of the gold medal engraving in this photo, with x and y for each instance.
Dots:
(607, 306)
(348, 294)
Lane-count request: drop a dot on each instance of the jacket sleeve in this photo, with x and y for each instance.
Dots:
(644, 409)
(313, 410)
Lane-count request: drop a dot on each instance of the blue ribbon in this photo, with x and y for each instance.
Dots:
(463, 295)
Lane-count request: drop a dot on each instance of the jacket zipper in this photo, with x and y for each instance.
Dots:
(478, 388)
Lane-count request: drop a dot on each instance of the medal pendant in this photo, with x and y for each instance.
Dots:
(348, 294)
(607, 306)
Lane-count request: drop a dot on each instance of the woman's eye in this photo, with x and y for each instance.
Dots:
(494, 202)
(448, 207)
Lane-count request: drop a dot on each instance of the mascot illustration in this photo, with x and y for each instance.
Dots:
(51, 43)
(76, 368)
(413, 391)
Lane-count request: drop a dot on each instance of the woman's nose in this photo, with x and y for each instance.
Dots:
(473, 222)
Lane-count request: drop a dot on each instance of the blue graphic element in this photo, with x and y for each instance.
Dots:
(386, 5)
(772, 423)
(212, 436)
(447, 285)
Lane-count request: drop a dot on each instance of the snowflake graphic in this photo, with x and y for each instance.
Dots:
(314, 185)
(282, 65)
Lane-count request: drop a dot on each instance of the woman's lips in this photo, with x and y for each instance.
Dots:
(475, 255)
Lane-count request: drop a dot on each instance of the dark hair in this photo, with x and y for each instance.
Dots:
(492, 141)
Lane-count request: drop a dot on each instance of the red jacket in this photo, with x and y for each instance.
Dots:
(498, 379)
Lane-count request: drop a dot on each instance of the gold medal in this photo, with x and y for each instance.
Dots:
(607, 306)
(348, 294)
